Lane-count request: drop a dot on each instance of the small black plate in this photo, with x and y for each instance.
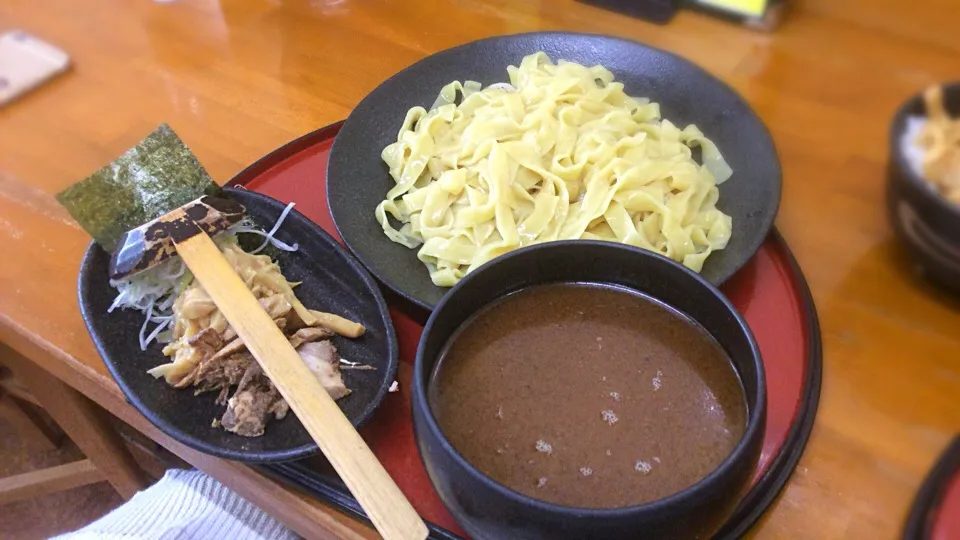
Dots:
(357, 179)
(332, 280)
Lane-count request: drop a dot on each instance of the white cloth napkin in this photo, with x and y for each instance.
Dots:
(184, 505)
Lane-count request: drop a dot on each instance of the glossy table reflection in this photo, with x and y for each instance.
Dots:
(238, 78)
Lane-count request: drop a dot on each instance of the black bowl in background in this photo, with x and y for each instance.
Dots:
(332, 280)
(925, 222)
(489, 510)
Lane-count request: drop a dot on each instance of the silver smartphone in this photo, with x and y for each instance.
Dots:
(26, 62)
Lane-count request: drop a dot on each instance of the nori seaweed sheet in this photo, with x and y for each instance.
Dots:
(154, 177)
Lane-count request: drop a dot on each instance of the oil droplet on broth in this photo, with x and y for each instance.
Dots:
(658, 380)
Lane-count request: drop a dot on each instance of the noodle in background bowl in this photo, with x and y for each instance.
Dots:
(924, 221)
(358, 180)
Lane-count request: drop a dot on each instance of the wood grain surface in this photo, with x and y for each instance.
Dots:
(238, 78)
(49, 480)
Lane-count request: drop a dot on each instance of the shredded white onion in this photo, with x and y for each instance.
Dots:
(143, 328)
(273, 231)
(154, 291)
(156, 331)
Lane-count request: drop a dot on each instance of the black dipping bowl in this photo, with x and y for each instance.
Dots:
(331, 280)
(487, 509)
(924, 221)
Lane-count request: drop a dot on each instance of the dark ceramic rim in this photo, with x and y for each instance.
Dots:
(927, 502)
(921, 186)
(767, 224)
(739, 453)
(290, 454)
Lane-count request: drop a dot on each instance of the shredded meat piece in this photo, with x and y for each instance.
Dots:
(198, 348)
(221, 374)
(236, 345)
(304, 335)
(255, 400)
(208, 355)
(233, 365)
(322, 359)
(208, 341)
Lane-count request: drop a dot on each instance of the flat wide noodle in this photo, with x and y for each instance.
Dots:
(559, 153)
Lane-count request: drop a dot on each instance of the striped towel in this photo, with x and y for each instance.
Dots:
(184, 505)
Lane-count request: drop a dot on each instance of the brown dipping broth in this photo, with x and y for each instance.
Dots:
(588, 395)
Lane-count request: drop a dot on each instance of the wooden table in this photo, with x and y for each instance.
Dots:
(238, 78)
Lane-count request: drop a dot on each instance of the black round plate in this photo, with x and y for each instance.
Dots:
(332, 280)
(357, 179)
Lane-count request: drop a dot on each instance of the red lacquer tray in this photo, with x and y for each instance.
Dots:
(936, 510)
(769, 291)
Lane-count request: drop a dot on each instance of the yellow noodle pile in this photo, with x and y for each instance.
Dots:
(559, 153)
